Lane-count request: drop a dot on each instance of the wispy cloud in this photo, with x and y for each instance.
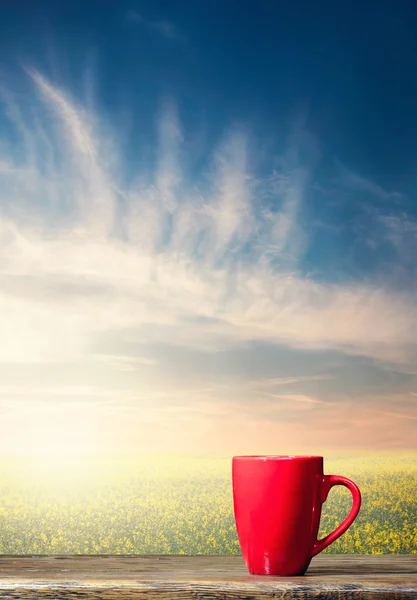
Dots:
(92, 267)
(397, 415)
(284, 381)
(210, 266)
(349, 179)
(124, 363)
(401, 231)
(296, 398)
(164, 28)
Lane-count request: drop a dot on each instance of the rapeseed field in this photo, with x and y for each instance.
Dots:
(183, 505)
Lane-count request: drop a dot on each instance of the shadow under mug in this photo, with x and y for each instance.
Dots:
(277, 506)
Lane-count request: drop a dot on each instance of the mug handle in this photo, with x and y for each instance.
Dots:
(328, 482)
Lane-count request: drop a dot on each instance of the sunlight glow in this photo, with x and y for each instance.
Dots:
(57, 442)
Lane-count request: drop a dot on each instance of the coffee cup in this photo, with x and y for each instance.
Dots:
(277, 507)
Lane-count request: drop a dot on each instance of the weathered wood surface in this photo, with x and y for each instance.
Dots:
(203, 577)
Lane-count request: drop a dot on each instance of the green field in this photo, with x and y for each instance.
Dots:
(184, 506)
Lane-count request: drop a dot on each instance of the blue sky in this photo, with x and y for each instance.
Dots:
(208, 225)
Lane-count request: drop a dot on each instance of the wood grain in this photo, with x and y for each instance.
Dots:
(203, 577)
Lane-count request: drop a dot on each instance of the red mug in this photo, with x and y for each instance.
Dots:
(277, 506)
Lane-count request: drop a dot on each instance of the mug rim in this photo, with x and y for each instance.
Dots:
(265, 457)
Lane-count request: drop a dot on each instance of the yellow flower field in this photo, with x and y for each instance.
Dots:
(180, 505)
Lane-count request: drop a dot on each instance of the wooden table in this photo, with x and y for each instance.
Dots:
(203, 577)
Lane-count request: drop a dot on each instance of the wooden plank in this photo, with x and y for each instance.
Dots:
(203, 577)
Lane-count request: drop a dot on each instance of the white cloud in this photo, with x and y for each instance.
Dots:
(207, 267)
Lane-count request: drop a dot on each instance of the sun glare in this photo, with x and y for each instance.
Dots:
(63, 442)
(57, 442)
